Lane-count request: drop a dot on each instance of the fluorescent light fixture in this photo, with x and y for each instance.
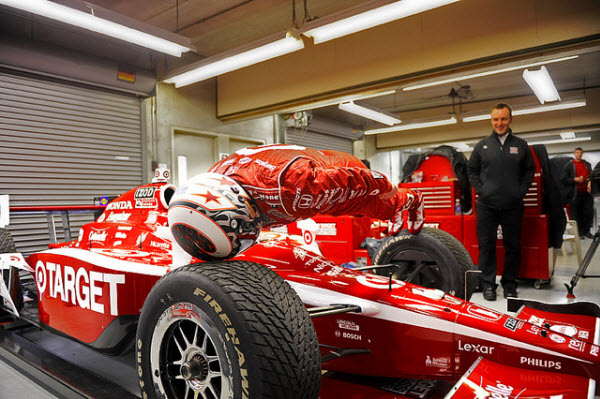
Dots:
(487, 73)
(542, 85)
(371, 18)
(217, 65)
(369, 113)
(411, 126)
(91, 22)
(350, 97)
(558, 141)
(567, 135)
(533, 110)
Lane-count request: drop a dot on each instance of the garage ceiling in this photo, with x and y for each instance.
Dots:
(216, 26)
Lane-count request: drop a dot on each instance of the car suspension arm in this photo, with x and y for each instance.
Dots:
(333, 309)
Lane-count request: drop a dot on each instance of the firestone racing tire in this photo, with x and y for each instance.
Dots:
(11, 277)
(226, 330)
(444, 260)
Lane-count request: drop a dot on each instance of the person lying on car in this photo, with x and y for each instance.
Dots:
(216, 215)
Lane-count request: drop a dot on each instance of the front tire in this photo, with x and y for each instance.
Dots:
(442, 258)
(226, 330)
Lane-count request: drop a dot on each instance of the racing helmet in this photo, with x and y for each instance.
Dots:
(212, 217)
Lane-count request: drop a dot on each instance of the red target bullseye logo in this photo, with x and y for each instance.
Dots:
(40, 277)
(308, 237)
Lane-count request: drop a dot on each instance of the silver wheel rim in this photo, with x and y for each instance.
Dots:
(188, 355)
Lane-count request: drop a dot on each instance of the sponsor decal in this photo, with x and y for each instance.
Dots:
(117, 243)
(97, 236)
(537, 321)
(559, 339)
(534, 330)
(432, 225)
(327, 229)
(569, 331)
(476, 348)
(305, 201)
(152, 217)
(576, 344)
(146, 203)
(378, 282)
(244, 160)
(144, 192)
(483, 314)
(548, 364)
(120, 235)
(308, 237)
(499, 391)
(594, 350)
(348, 325)
(583, 334)
(232, 337)
(161, 245)
(299, 253)
(439, 362)
(78, 286)
(421, 389)
(119, 205)
(118, 217)
(265, 164)
(353, 336)
(512, 323)
(125, 228)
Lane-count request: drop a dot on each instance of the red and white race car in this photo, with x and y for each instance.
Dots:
(267, 322)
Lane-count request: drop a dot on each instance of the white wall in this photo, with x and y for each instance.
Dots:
(192, 108)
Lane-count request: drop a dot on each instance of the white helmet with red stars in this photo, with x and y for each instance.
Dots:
(212, 217)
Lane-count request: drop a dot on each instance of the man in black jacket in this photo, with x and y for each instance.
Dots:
(575, 176)
(501, 168)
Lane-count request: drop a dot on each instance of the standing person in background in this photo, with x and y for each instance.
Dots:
(582, 206)
(501, 168)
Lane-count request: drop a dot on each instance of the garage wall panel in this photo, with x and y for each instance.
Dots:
(63, 144)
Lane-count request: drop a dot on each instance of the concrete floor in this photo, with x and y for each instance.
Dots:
(15, 384)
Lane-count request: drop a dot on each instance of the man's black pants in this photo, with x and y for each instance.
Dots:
(488, 220)
(582, 211)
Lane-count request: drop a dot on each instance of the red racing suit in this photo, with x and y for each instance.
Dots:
(290, 182)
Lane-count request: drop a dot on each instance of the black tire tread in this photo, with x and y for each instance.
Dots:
(460, 254)
(276, 318)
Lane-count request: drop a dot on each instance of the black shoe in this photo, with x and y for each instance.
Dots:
(510, 292)
(489, 294)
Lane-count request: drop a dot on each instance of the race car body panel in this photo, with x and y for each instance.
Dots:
(490, 379)
(92, 289)
(440, 334)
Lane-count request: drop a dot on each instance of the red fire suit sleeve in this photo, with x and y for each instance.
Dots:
(308, 188)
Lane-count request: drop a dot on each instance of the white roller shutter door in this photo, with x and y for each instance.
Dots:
(318, 140)
(62, 144)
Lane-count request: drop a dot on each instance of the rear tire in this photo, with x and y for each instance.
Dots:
(445, 260)
(11, 277)
(226, 329)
